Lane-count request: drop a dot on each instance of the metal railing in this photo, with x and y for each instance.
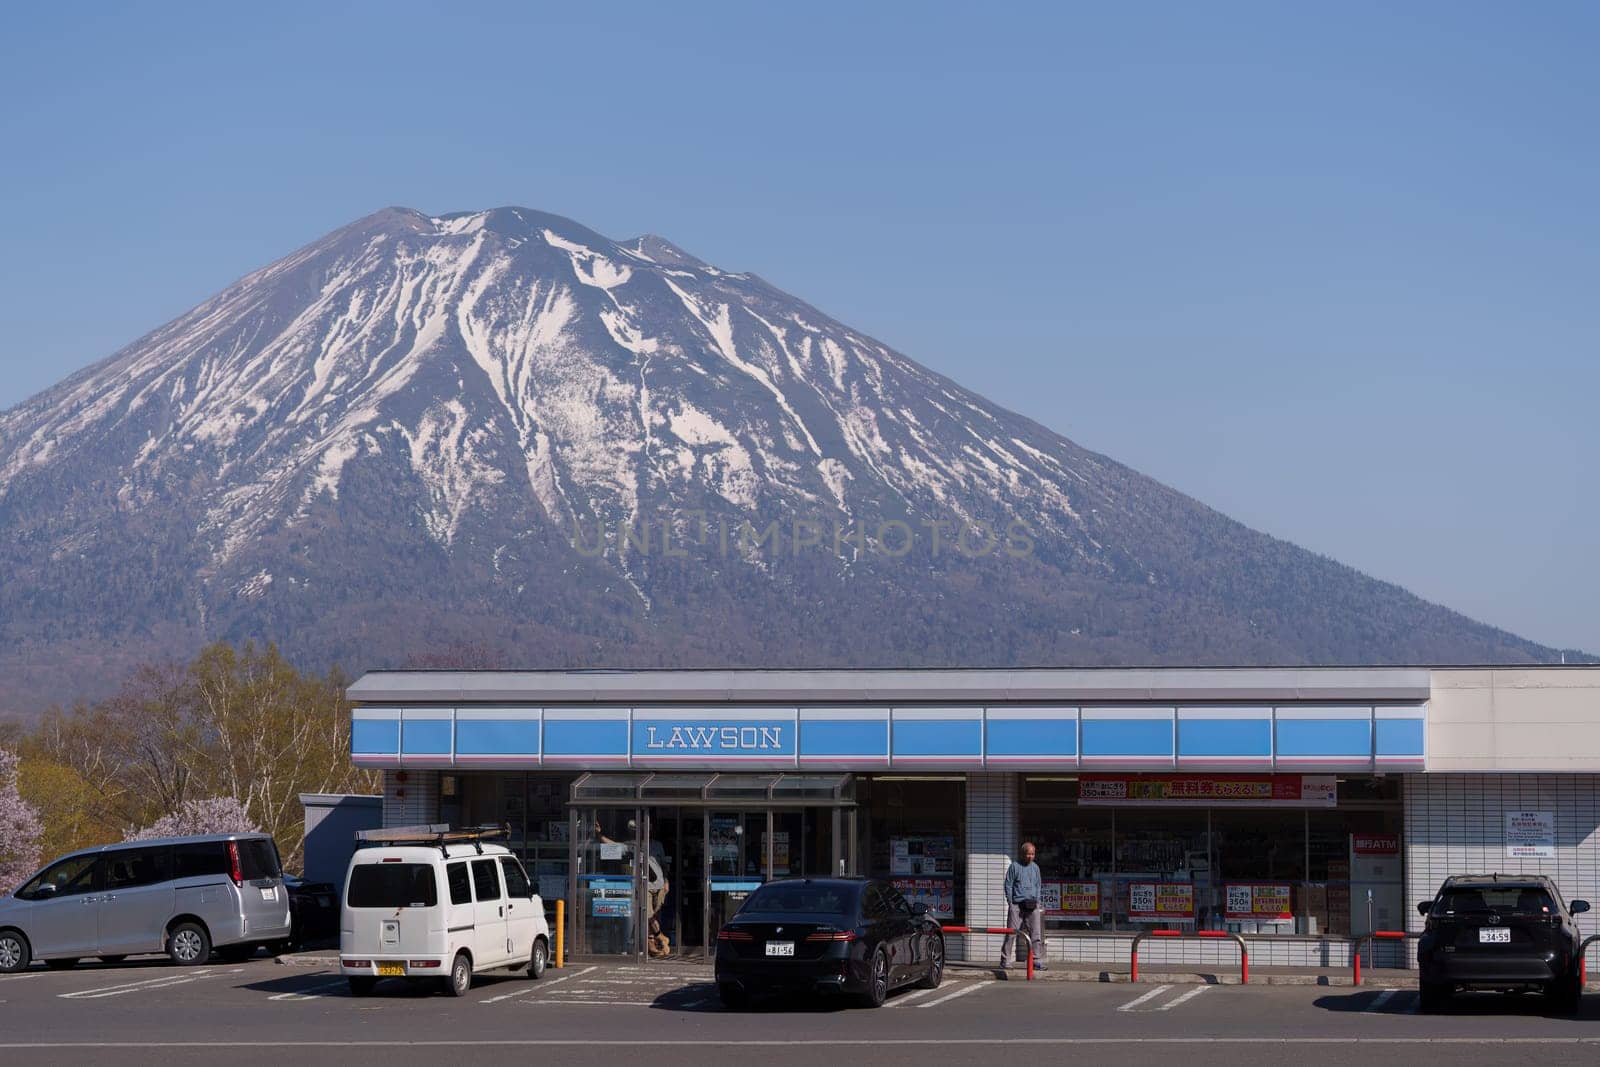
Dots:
(1371, 936)
(1583, 959)
(1026, 938)
(1244, 950)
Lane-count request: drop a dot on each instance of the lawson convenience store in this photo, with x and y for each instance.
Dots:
(1297, 807)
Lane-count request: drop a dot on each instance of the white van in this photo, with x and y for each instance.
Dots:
(429, 902)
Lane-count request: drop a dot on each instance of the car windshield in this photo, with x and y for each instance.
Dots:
(803, 898)
(1503, 900)
(393, 885)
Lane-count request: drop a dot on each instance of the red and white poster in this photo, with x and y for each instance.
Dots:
(1160, 902)
(1222, 790)
(1075, 901)
(1261, 901)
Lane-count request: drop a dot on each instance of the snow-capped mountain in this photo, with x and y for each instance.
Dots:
(505, 430)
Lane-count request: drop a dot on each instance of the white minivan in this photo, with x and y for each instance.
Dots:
(428, 902)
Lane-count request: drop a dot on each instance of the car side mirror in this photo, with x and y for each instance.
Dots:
(1422, 908)
(919, 909)
(1579, 907)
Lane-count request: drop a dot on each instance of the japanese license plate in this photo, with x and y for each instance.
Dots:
(391, 970)
(269, 892)
(1493, 935)
(780, 948)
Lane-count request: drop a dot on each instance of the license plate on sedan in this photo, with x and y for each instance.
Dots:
(391, 970)
(1494, 935)
(780, 948)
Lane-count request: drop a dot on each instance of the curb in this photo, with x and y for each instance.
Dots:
(1325, 979)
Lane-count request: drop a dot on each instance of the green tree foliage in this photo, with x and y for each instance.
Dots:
(239, 724)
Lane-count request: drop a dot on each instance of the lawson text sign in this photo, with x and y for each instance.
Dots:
(673, 739)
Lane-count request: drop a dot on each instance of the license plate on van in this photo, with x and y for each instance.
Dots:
(1494, 935)
(391, 970)
(780, 948)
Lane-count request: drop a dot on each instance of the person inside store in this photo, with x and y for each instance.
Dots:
(1023, 886)
(657, 943)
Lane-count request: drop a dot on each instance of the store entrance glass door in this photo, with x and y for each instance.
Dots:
(607, 880)
(659, 861)
(675, 883)
(736, 861)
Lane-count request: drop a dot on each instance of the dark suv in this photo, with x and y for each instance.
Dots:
(1499, 931)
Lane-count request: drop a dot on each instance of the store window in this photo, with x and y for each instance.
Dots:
(533, 805)
(1125, 856)
(912, 835)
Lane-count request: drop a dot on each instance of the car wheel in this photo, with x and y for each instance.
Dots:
(1434, 997)
(189, 945)
(460, 979)
(15, 954)
(877, 980)
(1565, 996)
(733, 997)
(62, 965)
(541, 958)
(935, 973)
(360, 986)
(112, 959)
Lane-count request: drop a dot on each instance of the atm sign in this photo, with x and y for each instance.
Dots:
(1374, 844)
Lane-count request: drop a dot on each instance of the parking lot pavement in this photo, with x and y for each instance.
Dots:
(592, 1013)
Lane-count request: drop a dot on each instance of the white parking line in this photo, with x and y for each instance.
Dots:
(1381, 999)
(148, 985)
(958, 993)
(1153, 994)
(902, 1001)
(1175, 1001)
(312, 992)
(542, 986)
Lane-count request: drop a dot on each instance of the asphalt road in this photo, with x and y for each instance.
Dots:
(264, 1012)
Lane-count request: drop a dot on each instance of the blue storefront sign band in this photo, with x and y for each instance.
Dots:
(1136, 737)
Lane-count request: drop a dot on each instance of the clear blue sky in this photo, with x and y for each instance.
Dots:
(1333, 269)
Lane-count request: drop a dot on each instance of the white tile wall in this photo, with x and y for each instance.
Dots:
(991, 840)
(421, 801)
(1455, 824)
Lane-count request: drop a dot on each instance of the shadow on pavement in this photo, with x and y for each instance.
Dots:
(1487, 1005)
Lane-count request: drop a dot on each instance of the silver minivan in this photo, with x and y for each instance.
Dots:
(185, 896)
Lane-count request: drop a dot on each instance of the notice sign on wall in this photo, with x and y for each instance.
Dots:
(1150, 902)
(1530, 834)
(1257, 900)
(1078, 901)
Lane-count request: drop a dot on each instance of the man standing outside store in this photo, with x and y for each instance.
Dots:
(1023, 887)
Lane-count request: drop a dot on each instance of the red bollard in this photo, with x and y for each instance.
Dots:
(1134, 976)
(1244, 967)
(1358, 968)
(1030, 959)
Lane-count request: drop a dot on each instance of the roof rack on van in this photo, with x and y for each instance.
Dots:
(438, 835)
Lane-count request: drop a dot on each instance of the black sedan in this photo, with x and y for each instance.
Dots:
(313, 912)
(851, 936)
